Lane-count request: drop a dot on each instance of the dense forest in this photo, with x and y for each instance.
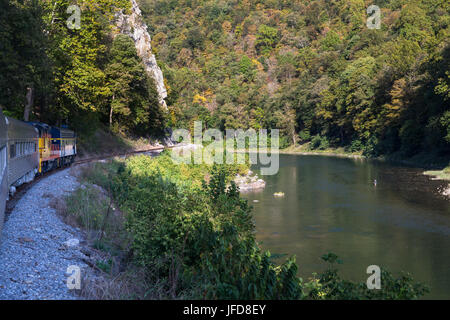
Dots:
(80, 76)
(311, 68)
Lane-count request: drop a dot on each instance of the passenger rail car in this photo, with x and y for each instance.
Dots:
(28, 149)
(23, 160)
(3, 168)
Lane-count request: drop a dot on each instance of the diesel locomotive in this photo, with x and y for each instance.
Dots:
(28, 149)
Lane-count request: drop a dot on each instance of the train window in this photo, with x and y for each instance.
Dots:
(2, 160)
(12, 151)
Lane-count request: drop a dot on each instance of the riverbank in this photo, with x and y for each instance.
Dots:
(423, 160)
(439, 174)
(330, 152)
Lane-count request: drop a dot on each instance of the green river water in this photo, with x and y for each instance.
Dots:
(332, 205)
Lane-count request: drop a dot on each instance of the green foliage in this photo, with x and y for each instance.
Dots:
(331, 41)
(198, 238)
(23, 60)
(247, 68)
(198, 232)
(314, 67)
(319, 142)
(356, 146)
(134, 99)
(87, 207)
(74, 74)
(266, 39)
(329, 285)
(105, 266)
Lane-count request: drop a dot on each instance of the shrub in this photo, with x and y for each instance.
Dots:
(329, 285)
(356, 146)
(318, 142)
(304, 135)
(201, 236)
(197, 240)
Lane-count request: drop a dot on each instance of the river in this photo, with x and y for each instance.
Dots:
(332, 205)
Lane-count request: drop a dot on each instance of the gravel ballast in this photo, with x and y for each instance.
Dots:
(37, 247)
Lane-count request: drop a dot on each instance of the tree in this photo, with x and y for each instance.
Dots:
(23, 60)
(133, 96)
(266, 39)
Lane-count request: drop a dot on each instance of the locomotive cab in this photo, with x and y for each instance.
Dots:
(64, 144)
(47, 160)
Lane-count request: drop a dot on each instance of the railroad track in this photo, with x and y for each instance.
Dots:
(22, 190)
(124, 154)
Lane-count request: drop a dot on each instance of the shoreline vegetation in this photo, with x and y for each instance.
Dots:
(103, 142)
(439, 174)
(420, 161)
(188, 234)
(436, 166)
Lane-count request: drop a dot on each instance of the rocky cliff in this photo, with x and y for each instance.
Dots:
(134, 26)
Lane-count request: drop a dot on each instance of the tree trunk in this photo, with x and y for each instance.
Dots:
(29, 105)
(111, 113)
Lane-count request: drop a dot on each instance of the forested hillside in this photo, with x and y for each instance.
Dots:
(82, 76)
(311, 68)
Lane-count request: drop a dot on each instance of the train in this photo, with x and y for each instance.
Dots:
(30, 149)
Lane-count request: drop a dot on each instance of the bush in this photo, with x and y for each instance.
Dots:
(304, 135)
(200, 236)
(197, 239)
(285, 142)
(356, 146)
(371, 148)
(318, 142)
(329, 285)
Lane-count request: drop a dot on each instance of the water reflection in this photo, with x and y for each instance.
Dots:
(331, 204)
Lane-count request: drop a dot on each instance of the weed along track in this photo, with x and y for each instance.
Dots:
(23, 189)
(38, 245)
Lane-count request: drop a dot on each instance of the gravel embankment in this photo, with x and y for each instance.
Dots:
(34, 253)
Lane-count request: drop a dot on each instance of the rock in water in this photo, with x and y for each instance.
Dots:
(134, 26)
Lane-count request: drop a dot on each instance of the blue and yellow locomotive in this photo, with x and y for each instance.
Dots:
(28, 149)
